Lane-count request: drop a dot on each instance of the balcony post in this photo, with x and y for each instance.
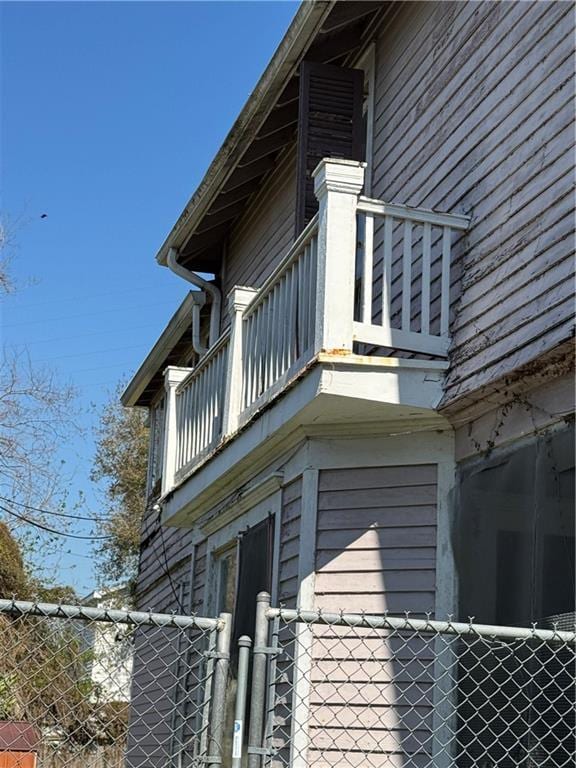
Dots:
(172, 377)
(238, 299)
(337, 184)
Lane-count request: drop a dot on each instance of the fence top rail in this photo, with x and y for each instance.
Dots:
(421, 625)
(419, 215)
(295, 249)
(20, 608)
(205, 360)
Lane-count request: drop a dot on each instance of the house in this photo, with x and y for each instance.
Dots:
(108, 649)
(369, 405)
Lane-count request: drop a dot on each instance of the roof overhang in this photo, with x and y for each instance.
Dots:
(325, 31)
(166, 351)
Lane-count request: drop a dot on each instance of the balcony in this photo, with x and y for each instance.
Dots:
(363, 294)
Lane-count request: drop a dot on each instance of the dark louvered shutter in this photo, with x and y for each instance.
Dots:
(254, 574)
(329, 125)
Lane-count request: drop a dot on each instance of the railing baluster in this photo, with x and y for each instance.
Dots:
(425, 291)
(247, 373)
(387, 273)
(311, 289)
(256, 352)
(368, 268)
(445, 282)
(305, 304)
(309, 280)
(407, 275)
(185, 421)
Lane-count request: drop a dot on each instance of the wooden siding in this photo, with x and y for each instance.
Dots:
(289, 544)
(163, 585)
(376, 538)
(473, 113)
(265, 232)
(163, 550)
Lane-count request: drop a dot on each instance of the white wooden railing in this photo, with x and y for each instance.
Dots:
(278, 325)
(405, 254)
(363, 272)
(200, 406)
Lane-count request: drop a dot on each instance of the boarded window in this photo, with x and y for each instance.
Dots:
(330, 125)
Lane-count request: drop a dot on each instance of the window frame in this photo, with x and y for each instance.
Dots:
(227, 536)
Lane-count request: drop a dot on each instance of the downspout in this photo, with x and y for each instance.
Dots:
(206, 286)
(199, 299)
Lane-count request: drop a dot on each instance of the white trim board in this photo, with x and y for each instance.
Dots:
(272, 504)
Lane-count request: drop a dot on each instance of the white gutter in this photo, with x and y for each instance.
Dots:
(207, 287)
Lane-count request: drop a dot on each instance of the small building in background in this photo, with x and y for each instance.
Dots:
(19, 744)
(109, 648)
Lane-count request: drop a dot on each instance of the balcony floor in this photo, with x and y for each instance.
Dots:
(334, 394)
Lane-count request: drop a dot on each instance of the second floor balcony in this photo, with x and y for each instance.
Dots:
(359, 306)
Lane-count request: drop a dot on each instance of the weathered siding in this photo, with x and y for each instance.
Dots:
(473, 113)
(163, 550)
(376, 542)
(376, 539)
(266, 230)
(163, 586)
(289, 544)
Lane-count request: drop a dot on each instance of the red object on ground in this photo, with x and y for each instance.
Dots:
(19, 743)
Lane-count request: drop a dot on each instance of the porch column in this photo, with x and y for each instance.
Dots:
(238, 299)
(337, 184)
(173, 376)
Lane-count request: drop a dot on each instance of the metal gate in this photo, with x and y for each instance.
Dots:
(100, 688)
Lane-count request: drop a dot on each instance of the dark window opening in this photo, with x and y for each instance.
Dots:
(514, 543)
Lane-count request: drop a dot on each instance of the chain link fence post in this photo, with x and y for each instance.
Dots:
(244, 645)
(218, 705)
(258, 690)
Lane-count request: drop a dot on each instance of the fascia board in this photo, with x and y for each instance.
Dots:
(169, 337)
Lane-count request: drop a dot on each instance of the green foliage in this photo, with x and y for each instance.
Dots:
(120, 465)
(13, 577)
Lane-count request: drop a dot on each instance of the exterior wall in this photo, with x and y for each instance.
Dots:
(376, 552)
(289, 544)
(164, 551)
(376, 539)
(266, 230)
(473, 113)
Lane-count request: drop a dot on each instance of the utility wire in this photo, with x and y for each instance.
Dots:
(57, 514)
(51, 530)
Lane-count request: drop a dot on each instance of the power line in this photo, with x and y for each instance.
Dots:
(51, 530)
(104, 311)
(104, 332)
(143, 288)
(105, 351)
(57, 514)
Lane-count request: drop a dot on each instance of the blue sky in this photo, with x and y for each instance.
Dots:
(111, 113)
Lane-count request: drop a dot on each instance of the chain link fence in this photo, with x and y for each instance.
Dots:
(98, 688)
(348, 690)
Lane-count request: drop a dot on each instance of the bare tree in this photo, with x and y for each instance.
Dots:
(37, 417)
